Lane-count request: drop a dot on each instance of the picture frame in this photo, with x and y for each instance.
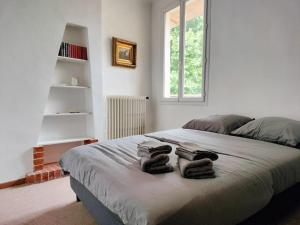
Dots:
(123, 53)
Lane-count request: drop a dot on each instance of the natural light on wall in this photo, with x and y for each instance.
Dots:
(185, 43)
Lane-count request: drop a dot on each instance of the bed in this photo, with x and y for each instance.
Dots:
(107, 178)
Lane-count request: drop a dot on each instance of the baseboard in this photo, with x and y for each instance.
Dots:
(12, 183)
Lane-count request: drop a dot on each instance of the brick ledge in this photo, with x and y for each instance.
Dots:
(49, 172)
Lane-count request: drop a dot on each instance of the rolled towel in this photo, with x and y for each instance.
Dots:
(157, 164)
(191, 151)
(198, 169)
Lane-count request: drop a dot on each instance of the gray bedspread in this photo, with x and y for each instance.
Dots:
(248, 174)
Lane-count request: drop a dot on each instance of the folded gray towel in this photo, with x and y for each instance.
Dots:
(145, 153)
(151, 149)
(157, 164)
(198, 169)
(152, 146)
(191, 151)
(195, 155)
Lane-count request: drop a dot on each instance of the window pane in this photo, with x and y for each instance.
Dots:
(172, 30)
(194, 45)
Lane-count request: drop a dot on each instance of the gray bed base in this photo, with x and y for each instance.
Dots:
(101, 214)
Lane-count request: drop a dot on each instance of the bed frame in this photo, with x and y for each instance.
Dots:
(101, 214)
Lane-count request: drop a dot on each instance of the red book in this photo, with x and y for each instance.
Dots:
(77, 54)
(71, 48)
(73, 51)
(70, 51)
(84, 53)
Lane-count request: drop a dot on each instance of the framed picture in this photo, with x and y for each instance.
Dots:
(123, 53)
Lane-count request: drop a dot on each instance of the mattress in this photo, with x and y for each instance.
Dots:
(248, 174)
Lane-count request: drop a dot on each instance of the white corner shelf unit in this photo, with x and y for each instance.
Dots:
(68, 115)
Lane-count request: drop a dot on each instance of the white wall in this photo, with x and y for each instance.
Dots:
(254, 62)
(31, 32)
(130, 20)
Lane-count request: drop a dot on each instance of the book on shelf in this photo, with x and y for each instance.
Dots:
(72, 51)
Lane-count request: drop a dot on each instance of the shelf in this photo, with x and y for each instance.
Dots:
(69, 87)
(59, 124)
(72, 60)
(63, 141)
(67, 114)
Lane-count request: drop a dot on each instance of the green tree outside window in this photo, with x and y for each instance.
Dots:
(193, 57)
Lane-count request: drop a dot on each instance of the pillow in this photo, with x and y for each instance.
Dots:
(222, 124)
(272, 129)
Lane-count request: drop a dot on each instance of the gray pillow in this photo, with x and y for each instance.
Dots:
(222, 124)
(272, 129)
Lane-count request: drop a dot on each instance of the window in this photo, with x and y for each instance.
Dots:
(185, 51)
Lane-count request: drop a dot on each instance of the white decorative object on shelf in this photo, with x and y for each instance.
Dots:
(74, 81)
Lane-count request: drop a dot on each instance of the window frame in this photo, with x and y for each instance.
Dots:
(180, 98)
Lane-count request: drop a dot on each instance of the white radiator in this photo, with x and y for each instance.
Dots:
(126, 116)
